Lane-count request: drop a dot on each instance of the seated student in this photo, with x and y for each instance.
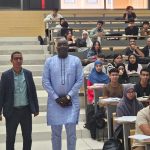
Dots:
(123, 77)
(129, 106)
(132, 29)
(143, 87)
(129, 14)
(54, 16)
(85, 36)
(97, 32)
(133, 66)
(148, 67)
(133, 48)
(117, 59)
(114, 88)
(146, 49)
(71, 41)
(62, 26)
(142, 126)
(144, 31)
(95, 50)
(88, 68)
(96, 76)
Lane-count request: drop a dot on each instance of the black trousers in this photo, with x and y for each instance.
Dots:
(23, 117)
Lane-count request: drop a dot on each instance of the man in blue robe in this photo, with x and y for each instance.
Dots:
(62, 79)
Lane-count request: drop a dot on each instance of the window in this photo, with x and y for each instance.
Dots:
(99, 4)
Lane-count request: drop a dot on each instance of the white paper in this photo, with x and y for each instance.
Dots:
(139, 137)
(126, 119)
(99, 84)
(114, 99)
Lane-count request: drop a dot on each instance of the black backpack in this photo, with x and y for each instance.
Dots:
(114, 143)
(94, 121)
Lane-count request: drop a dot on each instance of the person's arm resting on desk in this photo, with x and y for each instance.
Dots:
(143, 124)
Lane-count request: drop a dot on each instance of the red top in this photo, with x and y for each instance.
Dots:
(90, 93)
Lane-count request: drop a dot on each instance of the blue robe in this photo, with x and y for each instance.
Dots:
(62, 77)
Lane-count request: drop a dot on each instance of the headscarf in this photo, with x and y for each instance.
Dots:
(130, 107)
(98, 77)
(132, 67)
(89, 42)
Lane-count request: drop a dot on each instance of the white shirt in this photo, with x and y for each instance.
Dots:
(50, 17)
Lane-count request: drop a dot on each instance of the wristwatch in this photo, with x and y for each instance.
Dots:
(68, 97)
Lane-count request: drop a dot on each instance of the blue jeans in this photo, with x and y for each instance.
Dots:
(71, 136)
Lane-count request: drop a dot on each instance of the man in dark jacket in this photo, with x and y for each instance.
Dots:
(132, 29)
(143, 87)
(18, 100)
(146, 49)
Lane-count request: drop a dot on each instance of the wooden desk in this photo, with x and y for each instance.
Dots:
(110, 104)
(142, 139)
(126, 121)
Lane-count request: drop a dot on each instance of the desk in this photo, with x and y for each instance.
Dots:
(143, 99)
(110, 104)
(143, 139)
(97, 92)
(126, 121)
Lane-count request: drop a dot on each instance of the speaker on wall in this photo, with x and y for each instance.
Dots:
(52, 4)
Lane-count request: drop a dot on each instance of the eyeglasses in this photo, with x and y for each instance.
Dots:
(16, 58)
(130, 92)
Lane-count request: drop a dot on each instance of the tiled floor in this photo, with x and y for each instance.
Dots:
(82, 144)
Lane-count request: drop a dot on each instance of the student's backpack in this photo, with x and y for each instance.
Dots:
(114, 143)
(94, 120)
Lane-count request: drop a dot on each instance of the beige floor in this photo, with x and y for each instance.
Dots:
(82, 144)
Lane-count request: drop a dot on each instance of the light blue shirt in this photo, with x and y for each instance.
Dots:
(62, 77)
(20, 91)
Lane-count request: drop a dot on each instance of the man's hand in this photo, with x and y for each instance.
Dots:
(64, 101)
(36, 114)
(0, 117)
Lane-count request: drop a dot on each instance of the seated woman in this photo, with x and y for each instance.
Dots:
(95, 50)
(114, 88)
(133, 66)
(129, 106)
(123, 77)
(96, 76)
(86, 37)
(63, 24)
(71, 41)
(116, 60)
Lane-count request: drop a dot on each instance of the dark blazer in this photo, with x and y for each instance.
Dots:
(145, 50)
(7, 92)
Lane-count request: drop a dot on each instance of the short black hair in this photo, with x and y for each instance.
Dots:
(113, 70)
(146, 22)
(101, 56)
(16, 52)
(100, 21)
(144, 69)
